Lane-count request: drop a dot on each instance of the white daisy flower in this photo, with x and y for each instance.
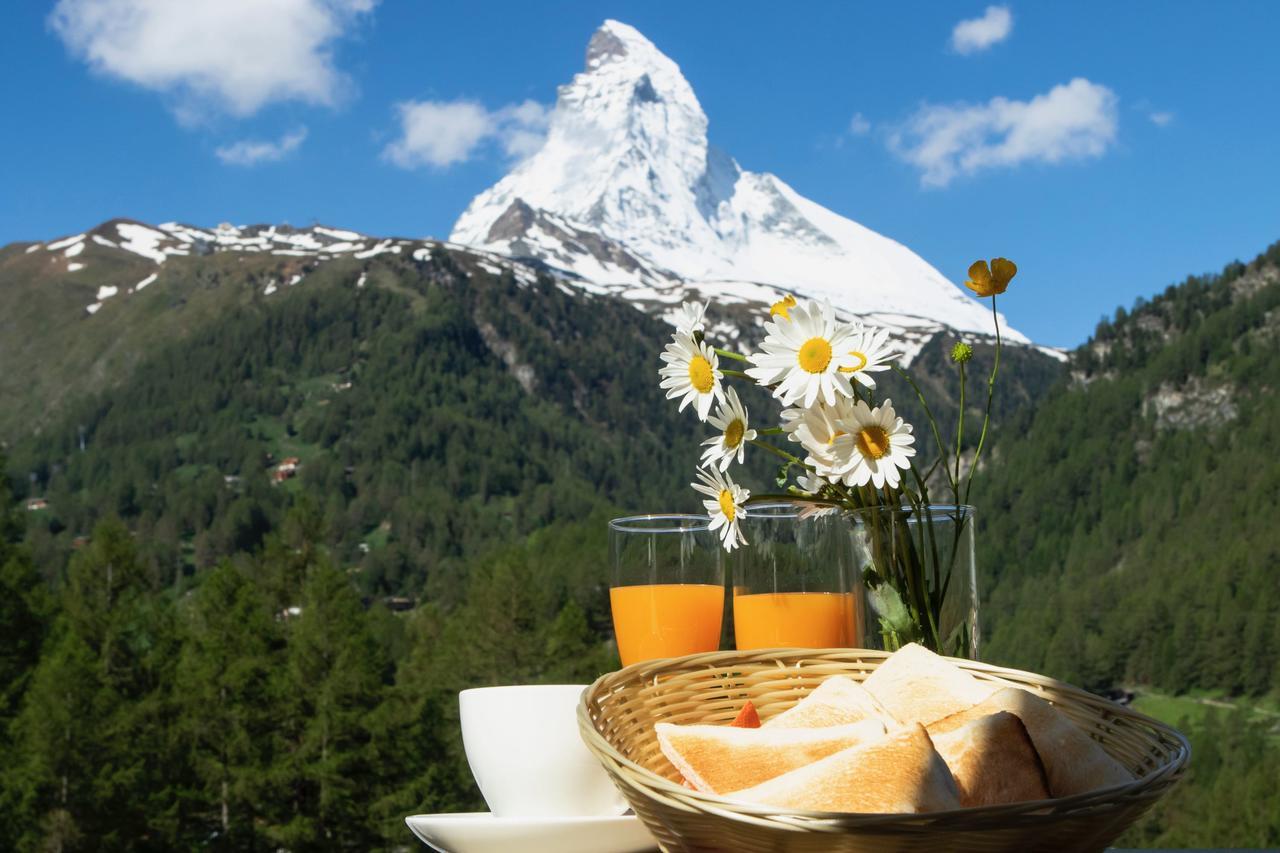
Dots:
(877, 443)
(804, 355)
(731, 420)
(690, 317)
(692, 372)
(816, 430)
(870, 350)
(724, 505)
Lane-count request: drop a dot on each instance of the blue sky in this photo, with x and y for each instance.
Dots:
(1175, 170)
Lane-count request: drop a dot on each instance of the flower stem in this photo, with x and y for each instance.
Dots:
(726, 353)
(955, 481)
(770, 431)
(933, 424)
(775, 451)
(991, 392)
(727, 372)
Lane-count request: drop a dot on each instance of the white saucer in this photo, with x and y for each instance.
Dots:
(481, 832)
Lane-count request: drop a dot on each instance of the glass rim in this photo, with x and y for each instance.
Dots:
(670, 522)
(930, 509)
(773, 509)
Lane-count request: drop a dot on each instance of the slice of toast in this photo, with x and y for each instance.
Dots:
(1074, 763)
(835, 702)
(714, 759)
(993, 761)
(917, 686)
(899, 773)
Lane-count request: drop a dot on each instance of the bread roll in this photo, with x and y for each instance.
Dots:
(715, 759)
(899, 773)
(993, 761)
(835, 702)
(1074, 763)
(917, 686)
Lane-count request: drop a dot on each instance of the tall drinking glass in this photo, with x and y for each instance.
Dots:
(666, 589)
(793, 582)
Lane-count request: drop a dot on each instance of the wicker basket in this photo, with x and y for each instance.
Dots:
(617, 714)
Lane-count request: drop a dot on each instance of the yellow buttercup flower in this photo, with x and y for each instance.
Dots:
(986, 281)
(782, 308)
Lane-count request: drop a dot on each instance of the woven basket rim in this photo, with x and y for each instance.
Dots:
(661, 788)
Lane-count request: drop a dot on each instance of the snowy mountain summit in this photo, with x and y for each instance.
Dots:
(627, 195)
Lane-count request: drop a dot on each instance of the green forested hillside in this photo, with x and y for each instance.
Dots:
(1131, 538)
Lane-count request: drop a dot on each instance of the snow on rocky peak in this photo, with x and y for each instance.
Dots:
(626, 194)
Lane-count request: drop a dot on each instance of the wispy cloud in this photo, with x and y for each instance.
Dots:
(977, 34)
(1071, 121)
(859, 125)
(440, 134)
(1160, 118)
(211, 56)
(249, 152)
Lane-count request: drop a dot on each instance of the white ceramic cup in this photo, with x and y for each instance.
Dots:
(527, 755)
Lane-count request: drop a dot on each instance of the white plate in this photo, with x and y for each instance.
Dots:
(481, 832)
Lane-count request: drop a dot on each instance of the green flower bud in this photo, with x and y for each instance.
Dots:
(961, 352)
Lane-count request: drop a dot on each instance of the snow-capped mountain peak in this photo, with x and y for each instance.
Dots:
(627, 194)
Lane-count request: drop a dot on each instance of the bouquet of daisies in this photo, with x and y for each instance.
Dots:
(842, 448)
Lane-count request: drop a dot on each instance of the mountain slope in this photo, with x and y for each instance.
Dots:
(1130, 516)
(627, 194)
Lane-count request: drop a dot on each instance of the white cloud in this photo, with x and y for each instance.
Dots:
(522, 128)
(250, 152)
(233, 56)
(858, 125)
(1160, 118)
(1071, 121)
(978, 34)
(442, 133)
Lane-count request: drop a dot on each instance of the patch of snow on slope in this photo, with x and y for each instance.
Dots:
(423, 254)
(74, 250)
(93, 308)
(141, 240)
(33, 247)
(74, 267)
(58, 245)
(105, 292)
(382, 246)
(338, 234)
(296, 278)
(361, 280)
(271, 288)
(146, 281)
(103, 241)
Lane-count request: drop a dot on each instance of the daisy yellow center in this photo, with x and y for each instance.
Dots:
(700, 376)
(814, 355)
(873, 442)
(733, 433)
(862, 362)
(726, 504)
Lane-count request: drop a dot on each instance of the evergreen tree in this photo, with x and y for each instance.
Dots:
(93, 727)
(331, 680)
(225, 707)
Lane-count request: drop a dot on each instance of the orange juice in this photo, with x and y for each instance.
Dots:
(666, 619)
(797, 619)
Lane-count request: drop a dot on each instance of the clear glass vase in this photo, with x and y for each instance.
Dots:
(919, 577)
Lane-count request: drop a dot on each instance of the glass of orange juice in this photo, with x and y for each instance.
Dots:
(794, 585)
(666, 588)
